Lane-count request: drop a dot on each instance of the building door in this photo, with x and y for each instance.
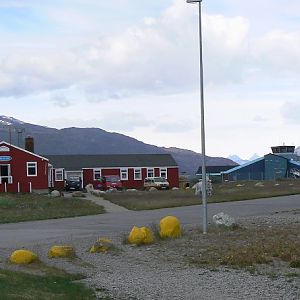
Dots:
(5, 174)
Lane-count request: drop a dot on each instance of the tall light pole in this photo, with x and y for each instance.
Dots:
(204, 192)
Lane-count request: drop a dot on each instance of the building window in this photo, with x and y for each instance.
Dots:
(97, 174)
(137, 174)
(32, 169)
(163, 172)
(150, 172)
(124, 174)
(59, 174)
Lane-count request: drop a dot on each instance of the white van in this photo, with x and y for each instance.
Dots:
(157, 182)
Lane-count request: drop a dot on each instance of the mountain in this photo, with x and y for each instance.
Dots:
(94, 141)
(237, 159)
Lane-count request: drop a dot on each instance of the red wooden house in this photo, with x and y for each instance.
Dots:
(132, 168)
(22, 170)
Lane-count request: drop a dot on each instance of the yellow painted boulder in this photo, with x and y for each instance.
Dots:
(23, 256)
(169, 227)
(102, 245)
(148, 235)
(64, 251)
(139, 236)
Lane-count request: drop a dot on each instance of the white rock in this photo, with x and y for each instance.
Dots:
(175, 189)
(55, 193)
(223, 219)
(131, 190)
(89, 188)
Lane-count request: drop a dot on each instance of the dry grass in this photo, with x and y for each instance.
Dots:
(241, 247)
(26, 207)
(229, 191)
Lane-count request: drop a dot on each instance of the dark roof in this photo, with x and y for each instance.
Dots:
(78, 162)
(215, 169)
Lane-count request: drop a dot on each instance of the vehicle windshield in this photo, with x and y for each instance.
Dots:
(160, 179)
(112, 178)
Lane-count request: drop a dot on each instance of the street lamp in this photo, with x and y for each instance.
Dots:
(204, 193)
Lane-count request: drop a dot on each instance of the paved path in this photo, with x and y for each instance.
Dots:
(116, 223)
(109, 206)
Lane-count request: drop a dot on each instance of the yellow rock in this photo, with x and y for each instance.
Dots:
(149, 239)
(61, 251)
(136, 236)
(169, 227)
(102, 245)
(139, 236)
(23, 256)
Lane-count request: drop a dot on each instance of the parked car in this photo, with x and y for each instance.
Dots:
(157, 182)
(108, 182)
(73, 184)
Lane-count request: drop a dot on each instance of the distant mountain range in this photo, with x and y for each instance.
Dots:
(96, 141)
(241, 161)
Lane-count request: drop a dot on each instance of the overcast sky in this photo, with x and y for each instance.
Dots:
(131, 66)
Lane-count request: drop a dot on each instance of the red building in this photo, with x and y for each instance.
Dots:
(132, 168)
(22, 170)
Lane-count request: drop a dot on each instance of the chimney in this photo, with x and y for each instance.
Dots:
(29, 144)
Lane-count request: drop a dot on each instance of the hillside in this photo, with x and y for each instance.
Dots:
(95, 141)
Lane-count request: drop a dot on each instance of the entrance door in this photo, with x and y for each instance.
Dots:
(5, 174)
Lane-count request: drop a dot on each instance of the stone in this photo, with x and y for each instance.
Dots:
(259, 184)
(89, 188)
(140, 236)
(55, 193)
(102, 245)
(169, 227)
(131, 190)
(175, 188)
(223, 219)
(23, 256)
(62, 251)
(98, 193)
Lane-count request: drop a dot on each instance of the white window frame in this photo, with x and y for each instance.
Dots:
(124, 171)
(163, 170)
(150, 170)
(94, 173)
(33, 165)
(137, 171)
(57, 171)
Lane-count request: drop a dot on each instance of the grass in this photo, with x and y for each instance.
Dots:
(19, 285)
(29, 207)
(245, 248)
(223, 192)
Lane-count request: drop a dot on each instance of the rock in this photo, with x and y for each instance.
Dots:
(169, 227)
(64, 251)
(78, 194)
(153, 189)
(112, 190)
(175, 189)
(89, 188)
(223, 219)
(139, 236)
(259, 184)
(23, 256)
(97, 193)
(102, 245)
(55, 193)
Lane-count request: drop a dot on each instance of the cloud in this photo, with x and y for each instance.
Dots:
(62, 101)
(158, 55)
(291, 112)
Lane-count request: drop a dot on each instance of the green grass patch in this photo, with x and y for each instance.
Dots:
(222, 192)
(19, 285)
(28, 207)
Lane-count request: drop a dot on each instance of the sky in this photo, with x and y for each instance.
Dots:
(132, 67)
